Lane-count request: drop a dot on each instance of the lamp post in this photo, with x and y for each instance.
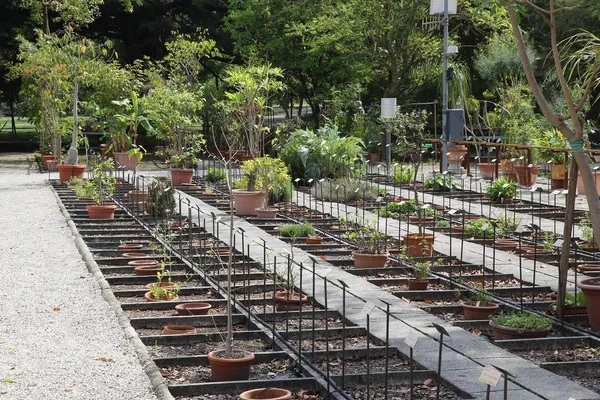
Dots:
(445, 7)
(388, 110)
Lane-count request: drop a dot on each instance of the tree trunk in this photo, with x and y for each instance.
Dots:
(72, 157)
(46, 18)
(13, 125)
(563, 268)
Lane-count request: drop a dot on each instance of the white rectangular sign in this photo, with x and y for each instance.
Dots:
(411, 339)
(437, 7)
(490, 376)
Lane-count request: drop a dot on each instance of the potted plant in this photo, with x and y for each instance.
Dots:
(371, 246)
(574, 304)
(421, 272)
(591, 289)
(501, 190)
(266, 394)
(163, 290)
(409, 132)
(440, 183)
(519, 325)
(84, 189)
(261, 176)
(480, 306)
(160, 202)
(552, 139)
(103, 184)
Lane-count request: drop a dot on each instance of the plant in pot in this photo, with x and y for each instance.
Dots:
(160, 203)
(84, 189)
(501, 190)
(440, 183)
(574, 304)
(519, 325)
(402, 174)
(591, 288)
(408, 130)
(372, 246)
(421, 272)
(103, 183)
(480, 306)
(551, 140)
(164, 289)
(304, 230)
(261, 176)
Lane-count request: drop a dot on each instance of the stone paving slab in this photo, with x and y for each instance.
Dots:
(459, 369)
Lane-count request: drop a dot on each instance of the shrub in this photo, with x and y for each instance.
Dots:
(522, 320)
(215, 175)
(501, 190)
(393, 210)
(297, 230)
(161, 199)
(440, 183)
(344, 190)
(480, 227)
(403, 175)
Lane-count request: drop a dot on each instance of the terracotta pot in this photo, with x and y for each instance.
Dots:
(179, 176)
(362, 260)
(246, 202)
(178, 330)
(579, 310)
(143, 263)
(591, 289)
(286, 301)
(526, 175)
(137, 255)
(193, 308)
(414, 284)
(588, 268)
(101, 211)
(267, 394)
(124, 162)
(488, 170)
(501, 332)
(472, 311)
(269, 213)
(52, 165)
(314, 240)
(66, 172)
(230, 369)
(130, 246)
(419, 245)
(134, 196)
(145, 270)
(162, 285)
(172, 297)
(581, 188)
(47, 158)
(558, 171)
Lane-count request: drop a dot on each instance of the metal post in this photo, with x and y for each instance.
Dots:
(445, 133)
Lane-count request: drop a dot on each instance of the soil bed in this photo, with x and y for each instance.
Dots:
(195, 349)
(397, 392)
(359, 366)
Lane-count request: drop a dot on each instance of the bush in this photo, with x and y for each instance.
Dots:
(403, 175)
(215, 175)
(480, 227)
(297, 230)
(501, 190)
(344, 190)
(522, 320)
(440, 183)
(393, 210)
(161, 199)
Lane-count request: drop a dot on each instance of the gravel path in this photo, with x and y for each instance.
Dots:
(59, 338)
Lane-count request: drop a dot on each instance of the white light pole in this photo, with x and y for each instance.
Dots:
(445, 7)
(388, 110)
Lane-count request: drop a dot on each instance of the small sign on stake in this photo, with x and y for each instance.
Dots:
(490, 376)
(411, 338)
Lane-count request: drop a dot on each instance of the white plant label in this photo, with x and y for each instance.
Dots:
(411, 339)
(490, 376)
(368, 308)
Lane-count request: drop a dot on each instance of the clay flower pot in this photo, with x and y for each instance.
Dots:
(263, 393)
(124, 161)
(591, 289)
(419, 245)
(162, 285)
(415, 284)
(488, 170)
(130, 246)
(136, 196)
(230, 369)
(362, 260)
(501, 332)
(169, 297)
(178, 330)
(136, 255)
(247, 201)
(269, 213)
(193, 308)
(101, 211)
(66, 172)
(471, 311)
(314, 240)
(180, 176)
(286, 301)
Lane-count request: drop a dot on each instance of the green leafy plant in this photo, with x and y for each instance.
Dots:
(440, 183)
(103, 182)
(522, 320)
(402, 174)
(421, 270)
(398, 209)
(84, 189)
(160, 203)
(501, 190)
(481, 296)
(508, 223)
(442, 223)
(161, 291)
(344, 190)
(265, 173)
(297, 230)
(215, 175)
(554, 139)
(587, 233)
(368, 239)
(480, 227)
(549, 239)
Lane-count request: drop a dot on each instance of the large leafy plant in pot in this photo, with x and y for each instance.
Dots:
(261, 176)
(371, 245)
(103, 186)
(408, 130)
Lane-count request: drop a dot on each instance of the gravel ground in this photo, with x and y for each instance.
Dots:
(59, 338)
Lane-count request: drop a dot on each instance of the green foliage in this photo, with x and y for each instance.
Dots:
(398, 209)
(215, 175)
(368, 239)
(480, 227)
(160, 203)
(501, 190)
(297, 230)
(587, 233)
(522, 320)
(550, 138)
(442, 223)
(481, 296)
(573, 300)
(508, 223)
(265, 173)
(321, 154)
(421, 270)
(84, 188)
(440, 183)
(344, 190)
(408, 131)
(103, 182)
(402, 174)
